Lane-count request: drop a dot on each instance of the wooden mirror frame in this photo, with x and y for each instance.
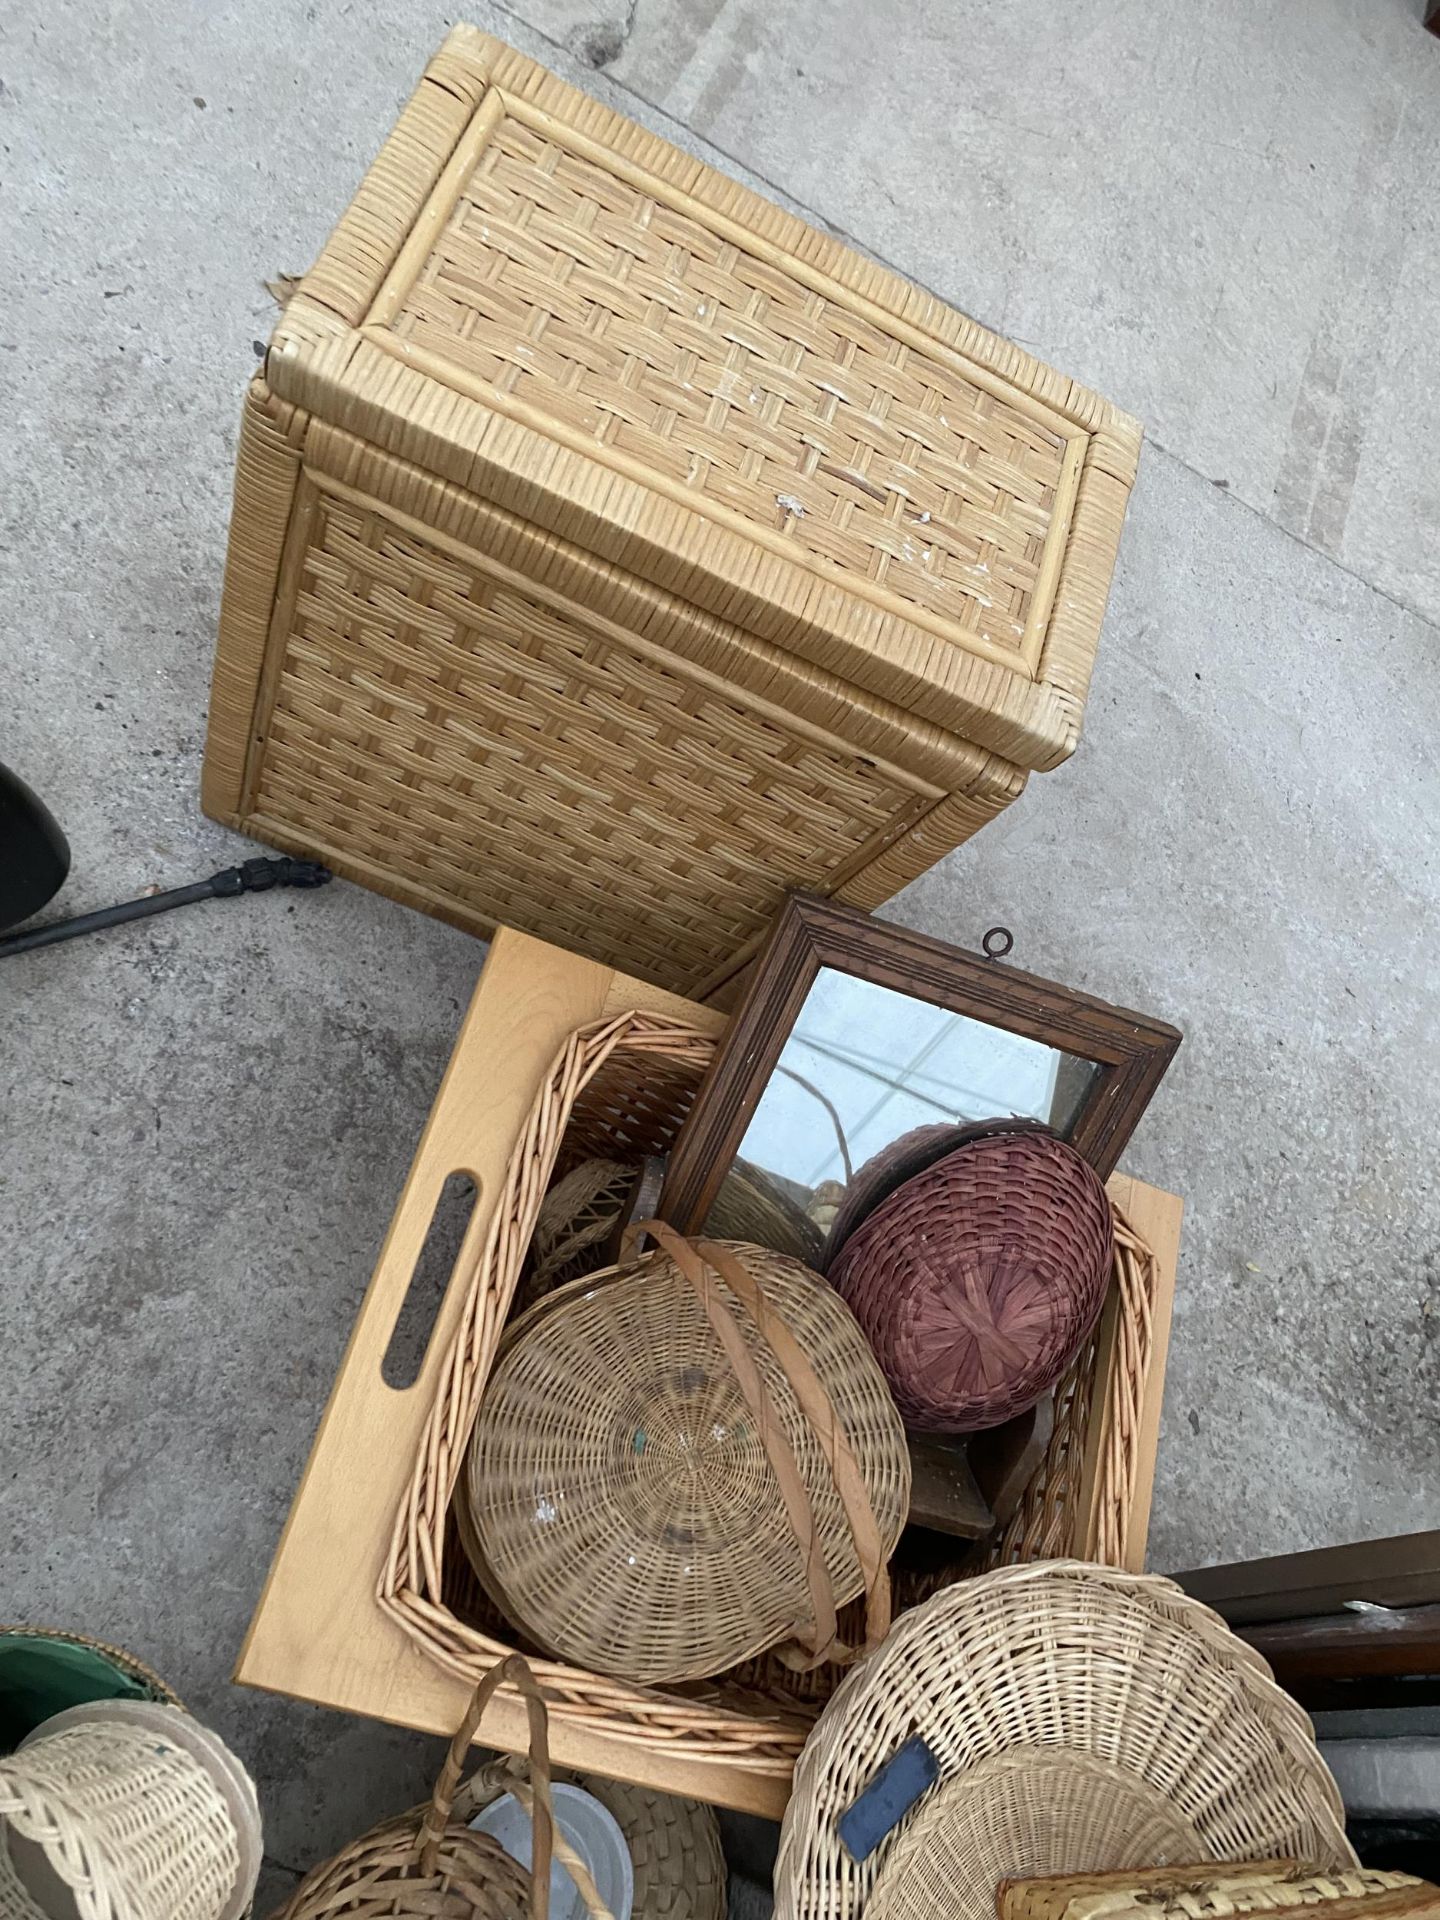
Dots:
(1131, 1049)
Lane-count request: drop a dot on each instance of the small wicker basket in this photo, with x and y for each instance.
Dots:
(650, 1440)
(44, 1670)
(977, 1280)
(429, 1865)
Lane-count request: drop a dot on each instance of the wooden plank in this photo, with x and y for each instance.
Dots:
(1381, 1642)
(1156, 1217)
(943, 1494)
(1402, 1570)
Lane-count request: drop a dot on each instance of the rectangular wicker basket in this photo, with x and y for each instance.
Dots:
(1221, 1890)
(368, 1605)
(612, 552)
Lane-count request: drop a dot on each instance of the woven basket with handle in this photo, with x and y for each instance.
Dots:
(429, 1865)
(685, 1461)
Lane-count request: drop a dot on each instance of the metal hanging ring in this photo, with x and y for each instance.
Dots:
(997, 943)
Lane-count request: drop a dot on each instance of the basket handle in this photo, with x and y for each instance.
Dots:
(819, 1411)
(511, 1671)
(506, 1774)
(695, 1261)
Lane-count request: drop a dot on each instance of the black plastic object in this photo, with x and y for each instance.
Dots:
(34, 854)
(254, 876)
(909, 1772)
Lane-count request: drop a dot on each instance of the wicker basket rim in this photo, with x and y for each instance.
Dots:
(127, 1662)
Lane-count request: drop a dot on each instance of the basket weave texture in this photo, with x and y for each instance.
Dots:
(1028, 1810)
(1125, 1668)
(612, 551)
(579, 1216)
(674, 1844)
(429, 1865)
(620, 1484)
(621, 1088)
(1222, 1893)
(977, 1279)
(473, 1878)
(128, 1817)
(675, 1849)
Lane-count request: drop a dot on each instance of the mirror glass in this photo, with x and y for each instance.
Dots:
(863, 1066)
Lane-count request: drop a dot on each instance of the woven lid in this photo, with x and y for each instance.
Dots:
(675, 1845)
(976, 1280)
(623, 1492)
(1032, 1810)
(429, 1865)
(900, 1161)
(548, 305)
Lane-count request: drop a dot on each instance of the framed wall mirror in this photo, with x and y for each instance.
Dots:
(855, 1033)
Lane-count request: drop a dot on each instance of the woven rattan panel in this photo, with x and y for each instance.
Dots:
(604, 305)
(464, 737)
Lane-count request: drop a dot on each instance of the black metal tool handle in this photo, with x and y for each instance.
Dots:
(254, 876)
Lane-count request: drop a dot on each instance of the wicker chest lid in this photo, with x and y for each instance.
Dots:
(546, 304)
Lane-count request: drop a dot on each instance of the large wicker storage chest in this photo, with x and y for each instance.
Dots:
(612, 552)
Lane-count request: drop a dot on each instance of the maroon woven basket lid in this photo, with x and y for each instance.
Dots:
(977, 1280)
(900, 1161)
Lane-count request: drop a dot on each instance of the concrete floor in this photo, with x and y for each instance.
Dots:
(1224, 217)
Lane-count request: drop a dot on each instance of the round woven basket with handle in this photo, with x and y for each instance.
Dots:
(1065, 1657)
(976, 1280)
(429, 1865)
(685, 1461)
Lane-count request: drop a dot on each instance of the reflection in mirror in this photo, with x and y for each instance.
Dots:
(863, 1066)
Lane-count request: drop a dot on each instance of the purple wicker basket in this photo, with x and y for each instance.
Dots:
(977, 1280)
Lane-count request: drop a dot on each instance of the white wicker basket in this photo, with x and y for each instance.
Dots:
(126, 1810)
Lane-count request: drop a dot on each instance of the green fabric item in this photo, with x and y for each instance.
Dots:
(40, 1677)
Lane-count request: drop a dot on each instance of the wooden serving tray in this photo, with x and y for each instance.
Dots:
(317, 1633)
